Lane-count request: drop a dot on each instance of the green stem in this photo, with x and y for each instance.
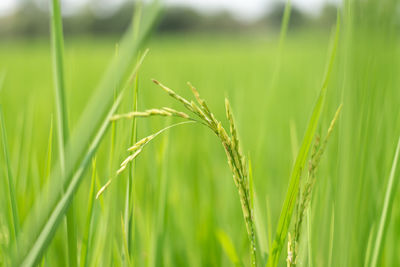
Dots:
(62, 118)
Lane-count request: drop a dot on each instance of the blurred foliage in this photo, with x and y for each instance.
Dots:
(30, 20)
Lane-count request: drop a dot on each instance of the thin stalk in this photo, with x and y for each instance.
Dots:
(332, 236)
(159, 222)
(88, 229)
(387, 209)
(125, 243)
(31, 257)
(129, 203)
(59, 80)
(369, 245)
(49, 150)
(284, 25)
(62, 118)
(294, 183)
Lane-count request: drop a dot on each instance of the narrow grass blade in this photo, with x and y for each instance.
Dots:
(158, 235)
(44, 218)
(332, 236)
(113, 125)
(49, 150)
(294, 139)
(291, 195)
(367, 259)
(88, 227)
(128, 213)
(59, 79)
(60, 209)
(129, 204)
(228, 247)
(11, 185)
(259, 223)
(387, 209)
(62, 118)
(278, 62)
(125, 243)
(269, 224)
(285, 24)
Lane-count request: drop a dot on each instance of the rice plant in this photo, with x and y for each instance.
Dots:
(236, 161)
(203, 115)
(83, 183)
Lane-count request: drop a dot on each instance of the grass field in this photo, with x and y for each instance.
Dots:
(186, 209)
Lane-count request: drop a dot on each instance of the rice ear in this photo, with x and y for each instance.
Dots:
(137, 149)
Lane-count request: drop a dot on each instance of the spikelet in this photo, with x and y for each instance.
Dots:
(137, 149)
(173, 94)
(229, 116)
(289, 259)
(151, 112)
(239, 158)
(129, 159)
(223, 135)
(330, 129)
(123, 166)
(200, 113)
(201, 101)
(304, 201)
(235, 158)
(140, 143)
(103, 188)
(176, 113)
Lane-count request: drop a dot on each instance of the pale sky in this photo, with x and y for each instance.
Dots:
(246, 9)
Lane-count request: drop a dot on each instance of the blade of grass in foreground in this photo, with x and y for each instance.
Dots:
(59, 80)
(44, 218)
(10, 181)
(62, 205)
(290, 199)
(387, 209)
(277, 69)
(129, 201)
(62, 118)
(369, 245)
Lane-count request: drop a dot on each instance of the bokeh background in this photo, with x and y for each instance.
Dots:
(183, 186)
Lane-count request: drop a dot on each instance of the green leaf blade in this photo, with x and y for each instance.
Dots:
(387, 207)
(291, 195)
(48, 209)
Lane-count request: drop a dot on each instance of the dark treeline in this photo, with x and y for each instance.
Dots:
(32, 21)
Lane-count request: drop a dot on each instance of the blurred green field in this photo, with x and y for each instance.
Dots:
(183, 187)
